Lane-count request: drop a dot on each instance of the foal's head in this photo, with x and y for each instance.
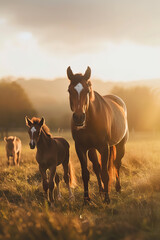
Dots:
(80, 93)
(35, 127)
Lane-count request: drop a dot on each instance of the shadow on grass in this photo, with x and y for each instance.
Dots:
(34, 178)
(11, 197)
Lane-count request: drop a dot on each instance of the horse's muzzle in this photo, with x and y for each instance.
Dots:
(32, 145)
(79, 119)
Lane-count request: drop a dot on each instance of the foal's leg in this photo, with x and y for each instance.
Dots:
(57, 180)
(44, 179)
(15, 158)
(104, 151)
(51, 183)
(96, 166)
(67, 178)
(85, 173)
(8, 159)
(120, 149)
(18, 157)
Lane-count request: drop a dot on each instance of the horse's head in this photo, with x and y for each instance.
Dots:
(80, 93)
(10, 141)
(34, 131)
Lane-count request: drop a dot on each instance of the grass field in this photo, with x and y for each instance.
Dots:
(133, 214)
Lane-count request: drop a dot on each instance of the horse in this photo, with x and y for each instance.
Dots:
(51, 152)
(13, 149)
(99, 123)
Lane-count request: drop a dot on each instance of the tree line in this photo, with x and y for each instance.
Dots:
(143, 108)
(14, 106)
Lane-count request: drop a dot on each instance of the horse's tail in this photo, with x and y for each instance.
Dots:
(72, 177)
(111, 168)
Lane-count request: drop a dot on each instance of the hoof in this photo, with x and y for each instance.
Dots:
(59, 197)
(118, 187)
(87, 200)
(72, 198)
(107, 199)
(52, 206)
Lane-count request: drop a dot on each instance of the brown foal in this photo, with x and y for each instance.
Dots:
(51, 152)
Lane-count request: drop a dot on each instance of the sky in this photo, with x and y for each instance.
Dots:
(118, 39)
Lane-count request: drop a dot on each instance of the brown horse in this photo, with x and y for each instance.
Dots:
(98, 123)
(51, 152)
(13, 149)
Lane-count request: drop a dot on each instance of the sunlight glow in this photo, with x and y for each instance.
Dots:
(25, 36)
(23, 56)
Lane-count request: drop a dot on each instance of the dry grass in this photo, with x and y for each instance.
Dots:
(133, 214)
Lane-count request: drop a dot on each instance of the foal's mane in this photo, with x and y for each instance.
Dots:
(46, 129)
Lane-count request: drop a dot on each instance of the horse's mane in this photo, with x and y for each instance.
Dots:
(46, 129)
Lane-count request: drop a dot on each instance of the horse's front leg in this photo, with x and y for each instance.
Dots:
(104, 151)
(8, 159)
(85, 173)
(44, 179)
(96, 166)
(15, 159)
(51, 184)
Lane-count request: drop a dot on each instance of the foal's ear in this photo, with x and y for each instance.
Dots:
(42, 122)
(28, 122)
(87, 74)
(70, 74)
(5, 139)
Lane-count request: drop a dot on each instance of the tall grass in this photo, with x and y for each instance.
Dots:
(133, 214)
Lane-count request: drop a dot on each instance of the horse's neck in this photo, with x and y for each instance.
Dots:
(43, 141)
(94, 109)
(97, 110)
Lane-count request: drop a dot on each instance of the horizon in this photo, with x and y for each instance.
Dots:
(117, 44)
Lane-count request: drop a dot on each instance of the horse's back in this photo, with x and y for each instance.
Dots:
(117, 100)
(63, 149)
(119, 125)
(62, 141)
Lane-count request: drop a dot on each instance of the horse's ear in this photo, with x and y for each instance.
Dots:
(28, 122)
(5, 139)
(42, 122)
(87, 74)
(70, 74)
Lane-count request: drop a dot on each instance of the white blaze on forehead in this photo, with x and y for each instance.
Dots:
(33, 129)
(78, 88)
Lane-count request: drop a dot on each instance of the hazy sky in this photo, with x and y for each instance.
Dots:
(118, 39)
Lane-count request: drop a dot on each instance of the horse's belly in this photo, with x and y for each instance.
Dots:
(118, 131)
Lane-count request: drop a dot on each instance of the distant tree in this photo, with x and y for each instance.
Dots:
(141, 105)
(14, 105)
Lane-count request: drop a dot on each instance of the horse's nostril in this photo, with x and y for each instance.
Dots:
(83, 117)
(79, 118)
(75, 117)
(32, 145)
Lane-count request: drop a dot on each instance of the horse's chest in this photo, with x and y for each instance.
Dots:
(45, 159)
(89, 140)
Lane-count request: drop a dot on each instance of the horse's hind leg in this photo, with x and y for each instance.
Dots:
(57, 180)
(96, 166)
(120, 150)
(105, 153)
